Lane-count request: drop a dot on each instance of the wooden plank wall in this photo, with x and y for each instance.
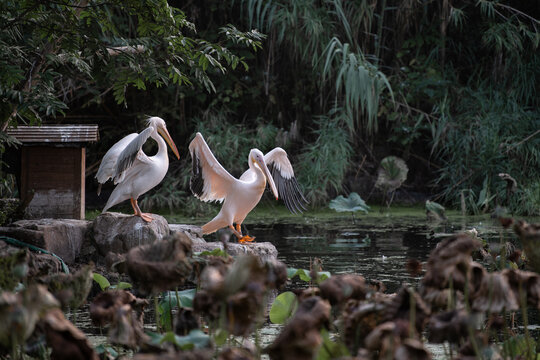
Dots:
(56, 176)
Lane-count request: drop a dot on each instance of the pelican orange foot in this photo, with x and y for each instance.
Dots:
(137, 211)
(246, 239)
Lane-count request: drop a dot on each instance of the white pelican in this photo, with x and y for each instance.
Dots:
(211, 182)
(134, 171)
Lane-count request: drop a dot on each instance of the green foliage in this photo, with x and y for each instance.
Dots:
(106, 351)
(215, 252)
(331, 349)
(435, 210)
(488, 135)
(104, 284)
(351, 203)
(10, 209)
(304, 274)
(172, 300)
(168, 195)
(10, 267)
(394, 168)
(519, 346)
(102, 281)
(283, 307)
(357, 81)
(50, 50)
(332, 82)
(324, 163)
(231, 142)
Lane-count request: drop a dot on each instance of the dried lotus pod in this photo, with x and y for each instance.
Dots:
(276, 274)
(526, 283)
(126, 328)
(451, 326)
(359, 319)
(185, 321)
(301, 338)
(70, 289)
(449, 263)
(386, 336)
(494, 295)
(438, 299)
(20, 312)
(236, 353)
(400, 307)
(340, 288)
(237, 290)
(412, 349)
(65, 340)
(162, 265)
(529, 235)
(196, 354)
(104, 306)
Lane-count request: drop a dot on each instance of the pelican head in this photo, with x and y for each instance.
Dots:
(257, 157)
(160, 126)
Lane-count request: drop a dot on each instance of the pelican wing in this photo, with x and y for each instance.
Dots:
(209, 180)
(131, 152)
(281, 169)
(107, 168)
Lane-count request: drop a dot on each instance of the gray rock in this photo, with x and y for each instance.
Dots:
(264, 250)
(115, 232)
(63, 237)
(192, 231)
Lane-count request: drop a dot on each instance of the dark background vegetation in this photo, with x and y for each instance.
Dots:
(449, 86)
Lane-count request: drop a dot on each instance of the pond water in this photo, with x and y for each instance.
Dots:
(377, 247)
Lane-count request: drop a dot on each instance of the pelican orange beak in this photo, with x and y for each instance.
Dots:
(269, 178)
(165, 134)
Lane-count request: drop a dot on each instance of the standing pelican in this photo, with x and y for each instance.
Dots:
(134, 171)
(211, 182)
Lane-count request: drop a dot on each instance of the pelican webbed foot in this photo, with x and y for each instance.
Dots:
(146, 217)
(246, 239)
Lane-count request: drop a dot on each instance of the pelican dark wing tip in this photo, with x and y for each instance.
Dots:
(196, 183)
(289, 191)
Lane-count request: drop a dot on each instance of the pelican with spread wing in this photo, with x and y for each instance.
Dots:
(134, 171)
(211, 182)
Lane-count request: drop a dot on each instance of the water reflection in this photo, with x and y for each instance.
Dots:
(377, 249)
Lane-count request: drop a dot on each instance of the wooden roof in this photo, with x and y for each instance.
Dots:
(55, 133)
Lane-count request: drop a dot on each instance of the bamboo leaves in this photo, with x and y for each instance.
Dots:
(358, 82)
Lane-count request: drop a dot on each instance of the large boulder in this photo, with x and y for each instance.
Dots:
(63, 237)
(118, 233)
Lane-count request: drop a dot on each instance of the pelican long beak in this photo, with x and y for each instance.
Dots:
(165, 134)
(269, 177)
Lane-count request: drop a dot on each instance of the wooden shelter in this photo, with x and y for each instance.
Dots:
(52, 171)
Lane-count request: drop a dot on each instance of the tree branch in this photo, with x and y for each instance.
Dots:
(522, 141)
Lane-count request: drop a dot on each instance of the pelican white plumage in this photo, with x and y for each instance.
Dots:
(134, 171)
(211, 182)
